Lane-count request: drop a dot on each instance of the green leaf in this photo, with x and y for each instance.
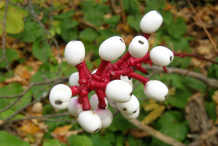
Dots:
(4, 115)
(41, 51)
(105, 140)
(88, 35)
(23, 101)
(69, 35)
(120, 124)
(105, 34)
(167, 18)
(54, 143)
(120, 140)
(94, 17)
(195, 84)
(10, 54)
(134, 22)
(211, 109)
(66, 15)
(11, 140)
(69, 24)
(79, 140)
(180, 99)
(132, 141)
(178, 28)
(157, 5)
(112, 21)
(14, 19)
(131, 7)
(177, 81)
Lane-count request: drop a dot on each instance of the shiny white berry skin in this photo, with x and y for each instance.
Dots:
(133, 116)
(94, 101)
(105, 115)
(75, 107)
(60, 96)
(161, 56)
(74, 78)
(156, 90)
(138, 47)
(151, 22)
(112, 48)
(126, 79)
(130, 107)
(74, 52)
(90, 121)
(119, 91)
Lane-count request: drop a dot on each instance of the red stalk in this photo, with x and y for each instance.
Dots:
(82, 75)
(94, 85)
(138, 77)
(75, 90)
(100, 70)
(118, 64)
(121, 72)
(101, 96)
(146, 35)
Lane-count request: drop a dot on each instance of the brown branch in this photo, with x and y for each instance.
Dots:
(88, 24)
(3, 38)
(210, 82)
(155, 133)
(123, 12)
(203, 26)
(51, 11)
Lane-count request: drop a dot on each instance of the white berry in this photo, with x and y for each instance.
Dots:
(138, 47)
(75, 107)
(74, 52)
(126, 79)
(74, 78)
(130, 107)
(94, 101)
(60, 96)
(156, 90)
(133, 116)
(112, 48)
(105, 115)
(161, 56)
(151, 22)
(90, 121)
(119, 91)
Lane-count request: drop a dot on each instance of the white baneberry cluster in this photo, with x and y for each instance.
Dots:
(117, 90)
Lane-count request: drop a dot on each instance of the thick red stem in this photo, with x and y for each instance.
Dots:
(94, 85)
(146, 35)
(101, 96)
(121, 72)
(84, 97)
(88, 74)
(75, 90)
(141, 69)
(142, 79)
(100, 70)
(82, 75)
(118, 64)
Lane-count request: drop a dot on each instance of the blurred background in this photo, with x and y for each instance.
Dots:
(34, 34)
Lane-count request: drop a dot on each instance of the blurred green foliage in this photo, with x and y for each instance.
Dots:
(66, 28)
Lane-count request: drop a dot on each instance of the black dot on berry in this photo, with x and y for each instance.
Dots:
(58, 102)
(96, 130)
(171, 58)
(121, 40)
(131, 94)
(166, 96)
(141, 42)
(129, 78)
(135, 111)
(124, 109)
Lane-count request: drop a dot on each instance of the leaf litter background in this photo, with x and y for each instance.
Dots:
(32, 59)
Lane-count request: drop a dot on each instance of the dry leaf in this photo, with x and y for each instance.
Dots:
(61, 130)
(30, 127)
(75, 132)
(215, 97)
(153, 115)
(37, 107)
(151, 106)
(38, 137)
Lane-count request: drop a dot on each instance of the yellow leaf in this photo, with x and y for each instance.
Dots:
(215, 96)
(153, 115)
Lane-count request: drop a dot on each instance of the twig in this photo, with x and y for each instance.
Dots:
(58, 79)
(112, 2)
(210, 82)
(88, 24)
(51, 10)
(123, 12)
(21, 109)
(3, 38)
(155, 133)
(203, 26)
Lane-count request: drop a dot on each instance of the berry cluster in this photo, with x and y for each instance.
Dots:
(112, 81)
